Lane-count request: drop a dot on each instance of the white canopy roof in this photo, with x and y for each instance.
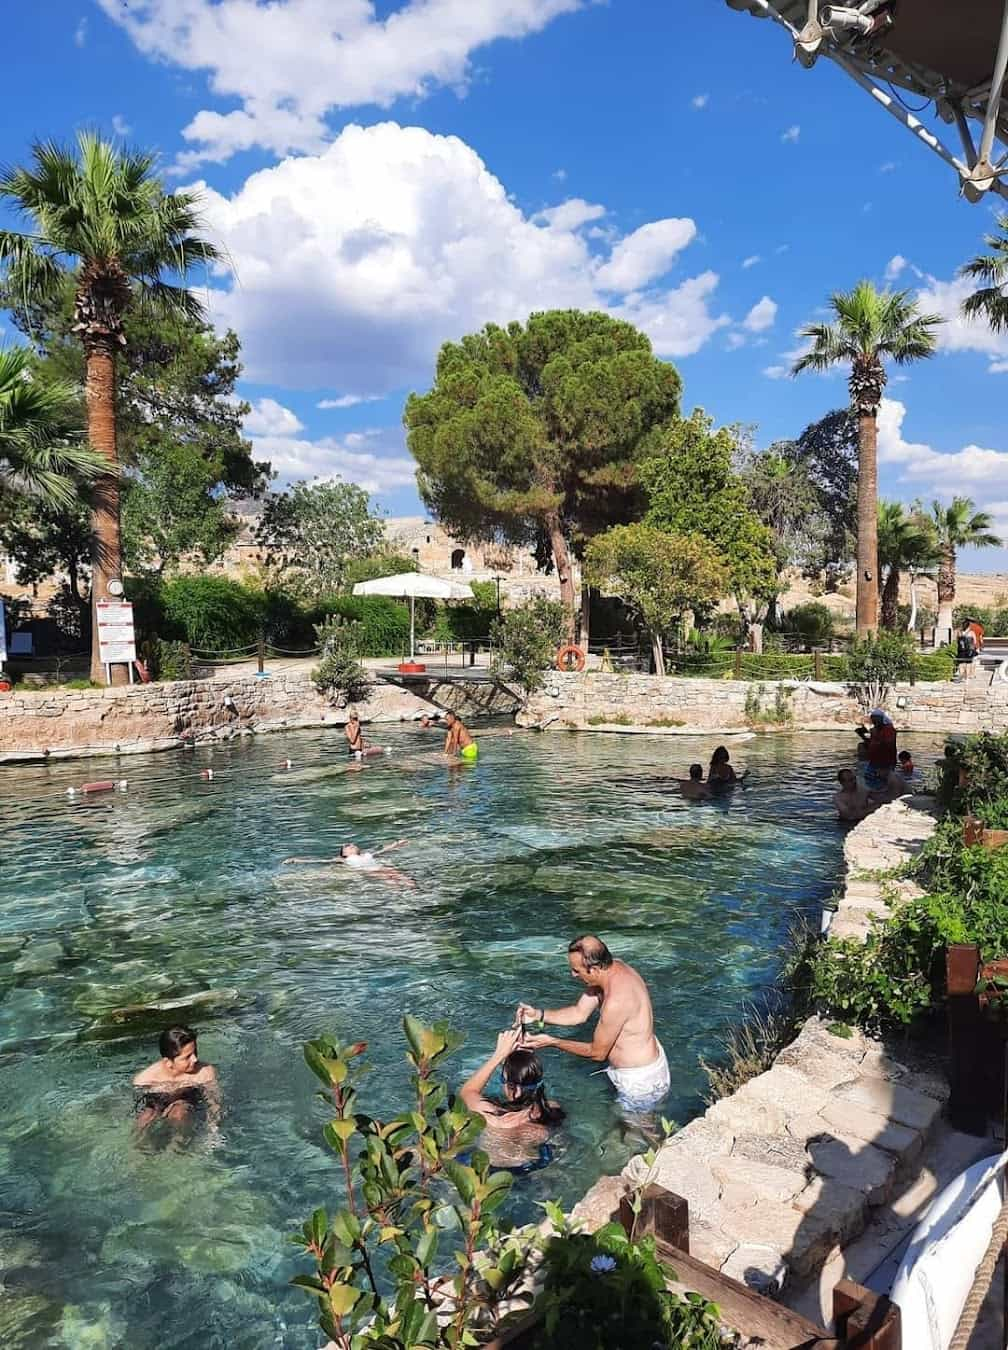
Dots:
(415, 585)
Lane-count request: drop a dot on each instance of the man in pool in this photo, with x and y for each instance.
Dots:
(177, 1084)
(361, 860)
(624, 1035)
(694, 787)
(853, 802)
(459, 741)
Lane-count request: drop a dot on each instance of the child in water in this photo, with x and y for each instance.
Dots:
(520, 1124)
(175, 1086)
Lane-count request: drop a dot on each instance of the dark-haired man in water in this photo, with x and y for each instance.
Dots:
(694, 786)
(624, 1034)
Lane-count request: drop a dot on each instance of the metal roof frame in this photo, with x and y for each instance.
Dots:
(854, 37)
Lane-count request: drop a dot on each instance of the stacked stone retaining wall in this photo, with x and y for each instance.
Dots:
(593, 701)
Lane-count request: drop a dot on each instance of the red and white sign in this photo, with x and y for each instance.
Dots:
(116, 639)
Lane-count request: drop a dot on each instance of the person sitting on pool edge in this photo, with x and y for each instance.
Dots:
(521, 1123)
(177, 1084)
(694, 786)
(356, 744)
(721, 774)
(459, 740)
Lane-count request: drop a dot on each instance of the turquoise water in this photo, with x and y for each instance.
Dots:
(175, 888)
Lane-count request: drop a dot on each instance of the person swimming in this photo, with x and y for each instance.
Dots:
(363, 860)
(694, 787)
(517, 1128)
(721, 773)
(175, 1086)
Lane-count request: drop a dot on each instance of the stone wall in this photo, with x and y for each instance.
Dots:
(56, 722)
(592, 701)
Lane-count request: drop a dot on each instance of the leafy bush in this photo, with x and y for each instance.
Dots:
(384, 623)
(994, 618)
(527, 639)
(454, 623)
(167, 660)
(813, 621)
(878, 662)
(211, 613)
(377, 565)
(339, 674)
(604, 1290)
(897, 975)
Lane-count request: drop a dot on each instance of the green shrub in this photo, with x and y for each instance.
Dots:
(878, 662)
(339, 674)
(812, 621)
(212, 613)
(167, 660)
(527, 639)
(376, 565)
(384, 623)
(456, 622)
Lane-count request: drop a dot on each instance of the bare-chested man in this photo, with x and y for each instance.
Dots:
(459, 740)
(624, 1034)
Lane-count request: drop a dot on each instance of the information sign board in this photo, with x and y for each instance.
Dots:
(116, 639)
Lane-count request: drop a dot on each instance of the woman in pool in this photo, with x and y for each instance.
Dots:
(177, 1084)
(518, 1127)
(721, 774)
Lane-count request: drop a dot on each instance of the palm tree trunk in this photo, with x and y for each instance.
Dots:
(561, 558)
(106, 546)
(912, 622)
(890, 600)
(946, 594)
(867, 536)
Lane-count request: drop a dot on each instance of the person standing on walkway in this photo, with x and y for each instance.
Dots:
(624, 1035)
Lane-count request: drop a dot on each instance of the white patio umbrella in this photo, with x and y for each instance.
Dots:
(411, 586)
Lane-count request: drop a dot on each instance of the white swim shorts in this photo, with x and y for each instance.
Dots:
(641, 1089)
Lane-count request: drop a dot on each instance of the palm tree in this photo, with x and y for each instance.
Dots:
(36, 454)
(905, 543)
(102, 214)
(870, 326)
(990, 300)
(957, 526)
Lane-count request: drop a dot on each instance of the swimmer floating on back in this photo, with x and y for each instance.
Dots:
(175, 1086)
(518, 1127)
(361, 860)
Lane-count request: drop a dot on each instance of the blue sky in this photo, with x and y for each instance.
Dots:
(388, 175)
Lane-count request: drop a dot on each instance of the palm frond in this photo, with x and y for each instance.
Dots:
(830, 346)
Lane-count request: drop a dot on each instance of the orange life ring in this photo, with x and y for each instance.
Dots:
(570, 658)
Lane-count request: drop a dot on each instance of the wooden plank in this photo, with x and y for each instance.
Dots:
(742, 1308)
(967, 1108)
(864, 1320)
(663, 1215)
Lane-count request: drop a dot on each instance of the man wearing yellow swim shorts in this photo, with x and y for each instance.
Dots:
(458, 741)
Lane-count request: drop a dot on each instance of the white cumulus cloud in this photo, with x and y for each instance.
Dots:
(80, 32)
(371, 459)
(344, 401)
(270, 418)
(973, 471)
(120, 126)
(791, 135)
(761, 316)
(958, 334)
(571, 214)
(646, 254)
(752, 260)
(700, 101)
(895, 266)
(354, 265)
(290, 63)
